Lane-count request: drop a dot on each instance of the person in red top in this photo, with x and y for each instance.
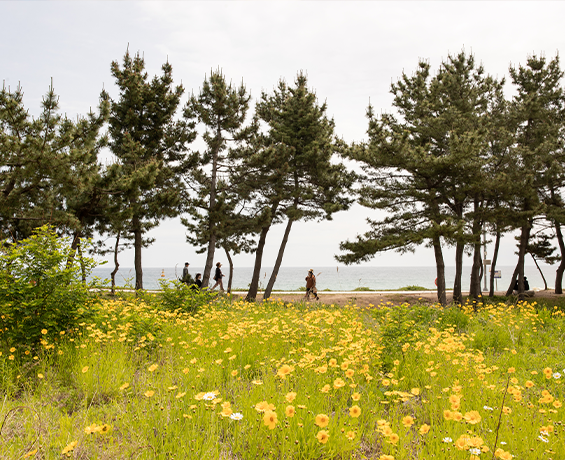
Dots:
(311, 285)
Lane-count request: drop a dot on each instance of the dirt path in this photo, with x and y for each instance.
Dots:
(374, 298)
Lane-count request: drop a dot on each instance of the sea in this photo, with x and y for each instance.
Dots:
(336, 278)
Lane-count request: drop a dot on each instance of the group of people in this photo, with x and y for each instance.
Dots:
(196, 284)
(218, 275)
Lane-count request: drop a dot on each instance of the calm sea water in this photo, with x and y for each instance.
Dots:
(332, 278)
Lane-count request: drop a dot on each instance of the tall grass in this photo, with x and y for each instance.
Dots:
(279, 380)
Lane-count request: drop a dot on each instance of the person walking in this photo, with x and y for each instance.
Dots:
(185, 275)
(218, 278)
(197, 282)
(311, 285)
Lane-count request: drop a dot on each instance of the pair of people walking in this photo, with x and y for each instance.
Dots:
(187, 279)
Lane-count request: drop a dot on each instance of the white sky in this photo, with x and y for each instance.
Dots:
(351, 51)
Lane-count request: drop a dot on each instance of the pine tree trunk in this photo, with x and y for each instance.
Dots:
(74, 246)
(475, 287)
(540, 272)
(231, 270)
(440, 271)
(116, 264)
(493, 266)
(561, 268)
(512, 282)
(137, 244)
(211, 223)
(254, 286)
(457, 295)
(524, 238)
(82, 267)
(278, 262)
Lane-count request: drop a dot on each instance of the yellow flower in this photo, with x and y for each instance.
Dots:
(323, 436)
(69, 448)
(424, 429)
(44, 331)
(457, 416)
(350, 435)
(12, 349)
(289, 411)
(408, 421)
(355, 396)
(291, 396)
(393, 438)
(152, 367)
(264, 406)
(149, 393)
(31, 453)
(415, 391)
(529, 384)
(447, 415)
(270, 419)
(386, 457)
(511, 370)
(39, 376)
(338, 383)
(472, 417)
(180, 395)
(506, 410)
(284, 370)
(325, 389)
(124, 386)
(322, 420)
(349, 373)
(185, 370)
(503, 455)
(355, 411)
(385, 382)
(85, 369)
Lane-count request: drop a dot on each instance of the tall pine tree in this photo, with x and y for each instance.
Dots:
(151, 147)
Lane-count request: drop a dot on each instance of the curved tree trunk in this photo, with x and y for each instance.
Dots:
(524, 238)
(440, 270)
(278, 262)
(493, 266)
(457, 295)
(231, 270)
(561, 267)
(254, 286)
(137, 243)
(116, 264)
(540, 272)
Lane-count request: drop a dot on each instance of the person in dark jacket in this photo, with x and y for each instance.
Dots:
(311, 285)
(218, 278)
(197, 282)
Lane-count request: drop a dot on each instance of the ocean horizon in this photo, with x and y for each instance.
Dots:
(336, 278)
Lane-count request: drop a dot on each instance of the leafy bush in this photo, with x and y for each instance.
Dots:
(413, 288)
(177, 295)
(42, 296)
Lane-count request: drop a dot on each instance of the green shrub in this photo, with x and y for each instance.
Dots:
(177, 295)
(42, 296)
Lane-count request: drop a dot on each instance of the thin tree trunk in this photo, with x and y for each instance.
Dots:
(457, 295)
(137, 243)
(278, 262)
(540, 272)
(254, 286)
(524, 238)
(211, 223)
(512, 282)
(475, 287)
(116, 264)
(561, 268)
(74, 246)
(493, 266)
(440, 270)
(82, 267)
(231, 270)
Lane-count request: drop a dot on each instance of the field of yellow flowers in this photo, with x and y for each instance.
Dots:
(280, 380)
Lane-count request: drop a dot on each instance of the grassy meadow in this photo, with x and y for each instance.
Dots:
(290, 381)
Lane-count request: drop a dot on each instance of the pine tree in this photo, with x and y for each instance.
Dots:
(302, 145)
(221, 109)
(150, 145)
(537, 115)
(50, 168)
(424, 165)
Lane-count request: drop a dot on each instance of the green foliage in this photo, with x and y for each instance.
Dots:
(187, 298)
(413, 288)
(41, 293)
(362, 288)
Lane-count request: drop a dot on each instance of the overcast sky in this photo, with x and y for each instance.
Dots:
(351, 51)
